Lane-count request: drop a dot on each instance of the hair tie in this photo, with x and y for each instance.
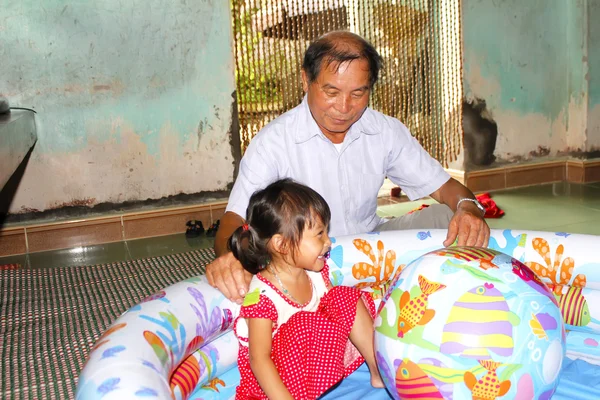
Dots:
(245, 227)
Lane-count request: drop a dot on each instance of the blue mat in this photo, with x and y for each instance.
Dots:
(578, 380)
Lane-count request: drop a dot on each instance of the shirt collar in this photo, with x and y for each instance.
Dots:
(307, 127)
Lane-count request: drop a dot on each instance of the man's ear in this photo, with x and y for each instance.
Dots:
(304, 81)
(279, 244)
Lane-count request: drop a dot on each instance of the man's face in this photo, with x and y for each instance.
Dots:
(338, 97)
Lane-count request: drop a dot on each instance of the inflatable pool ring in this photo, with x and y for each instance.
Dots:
(178, 342)
(165, 347)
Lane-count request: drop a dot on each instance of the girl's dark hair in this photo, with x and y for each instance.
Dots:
(337, 48)
(284, 207)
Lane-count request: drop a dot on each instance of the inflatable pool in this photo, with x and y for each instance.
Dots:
(178, 343)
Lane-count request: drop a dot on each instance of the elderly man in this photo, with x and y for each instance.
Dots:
(335, 144)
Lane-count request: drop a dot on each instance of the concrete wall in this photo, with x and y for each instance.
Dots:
(593, 122)
(515, 59)
(134, 99)
(535, 64)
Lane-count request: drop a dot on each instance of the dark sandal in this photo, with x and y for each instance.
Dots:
(212, 230)
(194, 228)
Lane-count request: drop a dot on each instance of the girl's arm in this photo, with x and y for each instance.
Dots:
(259, 347)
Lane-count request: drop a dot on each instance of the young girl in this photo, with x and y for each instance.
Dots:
(294, 327)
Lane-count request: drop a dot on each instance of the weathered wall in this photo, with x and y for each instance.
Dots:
(133, 99)
(593, 122)
(576, 98)
(515, 58)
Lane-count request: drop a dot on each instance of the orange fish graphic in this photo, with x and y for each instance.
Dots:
(194, 344)
(486, 264)
(413, 383)
(485, 256)
(489, 386)
(212, 384)
(103, 339)
(414, 312)
(186, 376)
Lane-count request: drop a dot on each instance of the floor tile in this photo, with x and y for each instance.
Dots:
(20, 259)
(589, 227)
(86, 255)
(398, 209)
(573, 208)
(163, 245)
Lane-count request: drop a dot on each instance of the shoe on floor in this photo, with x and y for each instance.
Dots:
(194, 228)
(212, 230)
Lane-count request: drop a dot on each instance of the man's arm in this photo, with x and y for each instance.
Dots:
(225, 272)
(468, 222)
(451, 192)
(228, 224)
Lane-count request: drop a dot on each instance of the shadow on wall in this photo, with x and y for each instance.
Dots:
(7, 193)
(479, 134)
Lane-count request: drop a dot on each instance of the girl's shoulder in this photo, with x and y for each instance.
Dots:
(258, 302)
(261, 289)
(261, 283)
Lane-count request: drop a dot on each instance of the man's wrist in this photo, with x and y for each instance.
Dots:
(473, 202)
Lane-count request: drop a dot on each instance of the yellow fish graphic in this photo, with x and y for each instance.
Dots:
(537, 328)
(488, 387)
(414, 312)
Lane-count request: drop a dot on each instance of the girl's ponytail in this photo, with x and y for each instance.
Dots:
(249, 249)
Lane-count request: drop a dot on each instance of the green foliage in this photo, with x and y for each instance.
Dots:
(257, 74)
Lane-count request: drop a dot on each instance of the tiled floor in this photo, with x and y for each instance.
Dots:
(560, 207)
(110, 252)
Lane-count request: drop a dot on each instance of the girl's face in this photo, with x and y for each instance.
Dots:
(314, 245)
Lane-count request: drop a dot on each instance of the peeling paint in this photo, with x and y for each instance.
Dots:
(594, 54)
(576, 129)
(593, 117)
(122, 170)
(520, 135)
(234, 137)
(593, 128)
(140, 109)
(75, 203)
(28, 210)
(531, 65)
(512, 42)
(541, 151)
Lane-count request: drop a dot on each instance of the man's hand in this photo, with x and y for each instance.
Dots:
(227, 274)
(470, 227)
(467, 223)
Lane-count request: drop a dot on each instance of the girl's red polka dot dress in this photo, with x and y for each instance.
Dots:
(310, 347)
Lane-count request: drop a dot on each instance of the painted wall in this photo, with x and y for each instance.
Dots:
(576, 98)
(593, 140)
(133, 99)
(535, 63)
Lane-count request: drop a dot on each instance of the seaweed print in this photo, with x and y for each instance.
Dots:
(381, 268)
(558, 273)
